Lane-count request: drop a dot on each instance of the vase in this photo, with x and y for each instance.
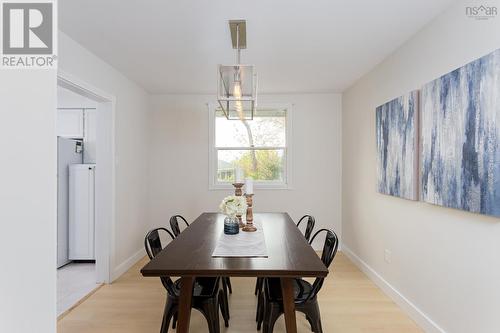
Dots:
(231, 225)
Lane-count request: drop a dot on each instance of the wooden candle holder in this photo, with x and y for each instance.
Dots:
(238, 192)
(249, 226)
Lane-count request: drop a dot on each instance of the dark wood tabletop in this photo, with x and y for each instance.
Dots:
(190, 254)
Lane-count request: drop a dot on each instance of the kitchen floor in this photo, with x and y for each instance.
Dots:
(74, 282)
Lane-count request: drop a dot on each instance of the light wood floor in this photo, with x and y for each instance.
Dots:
(349, 302)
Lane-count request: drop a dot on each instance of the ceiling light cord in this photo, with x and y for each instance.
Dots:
(238, 42)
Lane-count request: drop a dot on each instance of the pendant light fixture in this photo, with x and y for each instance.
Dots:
(237, 84)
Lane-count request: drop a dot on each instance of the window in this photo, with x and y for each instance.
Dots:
(260, 147)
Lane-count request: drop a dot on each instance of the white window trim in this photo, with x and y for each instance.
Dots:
(213, 184)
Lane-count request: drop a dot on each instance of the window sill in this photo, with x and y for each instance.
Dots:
(258, 187)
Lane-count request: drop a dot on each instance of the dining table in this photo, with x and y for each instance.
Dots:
(190, 255)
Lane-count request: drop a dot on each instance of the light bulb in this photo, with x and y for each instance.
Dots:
(237, 89)
(237, 94)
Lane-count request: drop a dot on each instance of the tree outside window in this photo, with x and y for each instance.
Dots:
(257, 146)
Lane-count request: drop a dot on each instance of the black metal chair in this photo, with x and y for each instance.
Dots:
(174, 225)
(260, 281)
(305, 293)
(310, 226)
(208, 295)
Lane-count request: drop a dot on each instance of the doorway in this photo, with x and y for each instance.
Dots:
(85, 139)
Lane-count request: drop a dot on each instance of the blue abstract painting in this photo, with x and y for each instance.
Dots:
(397, 146)
(460, 122)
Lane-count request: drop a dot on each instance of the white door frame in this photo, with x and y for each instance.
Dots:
(105, 171)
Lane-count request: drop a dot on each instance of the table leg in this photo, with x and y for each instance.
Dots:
(185, 304)
(289, 304)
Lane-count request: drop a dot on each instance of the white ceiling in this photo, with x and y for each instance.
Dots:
(297, 46)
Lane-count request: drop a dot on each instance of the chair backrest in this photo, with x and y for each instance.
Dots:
(310, 225)
(153, 246)
(327, 255)
(174, 224)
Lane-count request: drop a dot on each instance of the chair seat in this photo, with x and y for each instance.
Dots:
(203, 287)
(301, 289)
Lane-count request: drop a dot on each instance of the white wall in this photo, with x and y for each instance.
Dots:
(28, 200)
(179, 159)
(68, 99)
(131, 148)
(444, 261)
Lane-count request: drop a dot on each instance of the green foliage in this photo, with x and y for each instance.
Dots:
(261, 164)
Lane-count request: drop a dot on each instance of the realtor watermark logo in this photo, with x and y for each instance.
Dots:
(481, 12)
(28, 34)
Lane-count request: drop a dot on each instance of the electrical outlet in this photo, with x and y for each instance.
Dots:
(388, 256)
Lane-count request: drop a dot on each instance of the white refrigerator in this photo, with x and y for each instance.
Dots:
(69, 151)
(82, 212)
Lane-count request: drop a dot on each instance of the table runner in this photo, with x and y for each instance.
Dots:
(243, 244)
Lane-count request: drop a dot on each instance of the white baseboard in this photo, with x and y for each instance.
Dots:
(426, 323)
(125, 266)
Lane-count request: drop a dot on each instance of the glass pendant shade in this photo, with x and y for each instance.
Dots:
(237, 91)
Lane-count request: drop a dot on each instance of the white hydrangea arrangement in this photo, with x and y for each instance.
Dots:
(233, 205)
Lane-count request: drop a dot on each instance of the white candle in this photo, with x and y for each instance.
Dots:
(238, 178)
(249, 186)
